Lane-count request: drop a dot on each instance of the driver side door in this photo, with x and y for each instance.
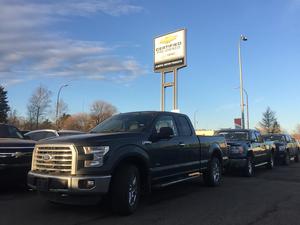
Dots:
(164, 152)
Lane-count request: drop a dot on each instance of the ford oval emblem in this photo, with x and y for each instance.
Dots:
(47, 157)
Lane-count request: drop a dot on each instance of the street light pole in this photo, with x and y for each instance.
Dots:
(242, 38)
(57, 100)
(247, 104)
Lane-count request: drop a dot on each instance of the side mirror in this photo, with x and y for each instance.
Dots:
(165, 133)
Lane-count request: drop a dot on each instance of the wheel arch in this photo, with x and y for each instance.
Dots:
(142, 165)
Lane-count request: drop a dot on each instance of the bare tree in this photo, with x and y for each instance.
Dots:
(80, 121)
(13, 118)
(100, 111)
(38, 105)
(62, 109)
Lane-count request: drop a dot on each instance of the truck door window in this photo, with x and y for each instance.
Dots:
(166, 121)
(184, 127)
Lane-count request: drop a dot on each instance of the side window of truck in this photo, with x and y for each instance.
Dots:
(166, 121)
(184, 127)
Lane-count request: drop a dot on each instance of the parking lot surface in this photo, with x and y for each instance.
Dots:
(271, 197)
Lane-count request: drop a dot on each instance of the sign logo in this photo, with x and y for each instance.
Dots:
(168, 39)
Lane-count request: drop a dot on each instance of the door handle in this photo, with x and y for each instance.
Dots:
(146, 142)
(181, 144)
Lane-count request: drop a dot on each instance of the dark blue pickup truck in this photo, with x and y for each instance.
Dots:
(15, 153)
(123, 156)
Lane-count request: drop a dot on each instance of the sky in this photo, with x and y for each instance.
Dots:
(103, 49)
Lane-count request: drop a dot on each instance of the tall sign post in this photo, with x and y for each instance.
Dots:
(169, 56)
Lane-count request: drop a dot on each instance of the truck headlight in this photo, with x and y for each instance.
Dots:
(98, 153)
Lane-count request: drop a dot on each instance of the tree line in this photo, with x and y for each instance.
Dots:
(40, 113)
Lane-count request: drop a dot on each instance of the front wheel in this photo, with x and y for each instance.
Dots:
(249, 169)
(125, 190)
(296, 159)
(271, 162)
(287, 158)
(212, 177)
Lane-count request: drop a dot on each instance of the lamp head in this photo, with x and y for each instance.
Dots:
(244, 38)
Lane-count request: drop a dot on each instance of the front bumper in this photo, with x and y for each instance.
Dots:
(237, 162)
(280, 155)
(73, 185)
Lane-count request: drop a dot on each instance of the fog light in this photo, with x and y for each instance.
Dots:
(86, 184)
(90, 184)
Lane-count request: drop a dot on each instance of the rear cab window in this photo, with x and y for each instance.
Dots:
(184, 126)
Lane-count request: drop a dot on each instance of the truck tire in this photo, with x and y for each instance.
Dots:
(271, 162)
(212, 177)
(249, 168)
(287, 158)
(296, 159)
(125, 190)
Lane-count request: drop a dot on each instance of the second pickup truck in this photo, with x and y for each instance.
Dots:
(123, 156)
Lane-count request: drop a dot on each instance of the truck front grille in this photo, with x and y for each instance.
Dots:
(54, 159)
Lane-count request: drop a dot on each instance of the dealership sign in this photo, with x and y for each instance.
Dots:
(238, 123)
(170, 51)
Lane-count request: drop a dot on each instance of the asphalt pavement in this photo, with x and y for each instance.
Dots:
(272, 197)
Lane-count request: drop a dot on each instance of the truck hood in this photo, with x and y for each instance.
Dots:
(92, 138)
(16, 145)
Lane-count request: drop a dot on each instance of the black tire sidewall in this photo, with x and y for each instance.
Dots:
(120, 190)
(209, 176)
(247, 173)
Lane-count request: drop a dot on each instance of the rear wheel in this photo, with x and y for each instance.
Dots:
(212, 177)
(126, 190)
(249, 169)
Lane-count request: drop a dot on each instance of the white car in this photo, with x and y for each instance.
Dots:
(48, 133)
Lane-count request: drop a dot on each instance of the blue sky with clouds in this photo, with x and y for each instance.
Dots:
(104, 50)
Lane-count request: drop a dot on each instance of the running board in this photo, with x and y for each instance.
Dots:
(261, 164)
(191, 176)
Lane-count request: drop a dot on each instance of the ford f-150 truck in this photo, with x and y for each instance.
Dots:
(286, 147)
(248, 150)
(123, 156)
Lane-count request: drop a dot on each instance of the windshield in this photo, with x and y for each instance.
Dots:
(274, 138)
(131, 122)
(235, 135)
(9, 132)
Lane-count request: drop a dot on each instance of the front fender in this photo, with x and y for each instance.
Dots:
(130, 152)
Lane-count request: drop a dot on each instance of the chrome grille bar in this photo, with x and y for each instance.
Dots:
(58, 159)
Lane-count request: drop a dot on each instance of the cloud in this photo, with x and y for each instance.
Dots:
(28, 49)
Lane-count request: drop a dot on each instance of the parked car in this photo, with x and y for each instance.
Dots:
(124, 155)
(48, 133)
(15, 153)
(247, 150)
(286, 147)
